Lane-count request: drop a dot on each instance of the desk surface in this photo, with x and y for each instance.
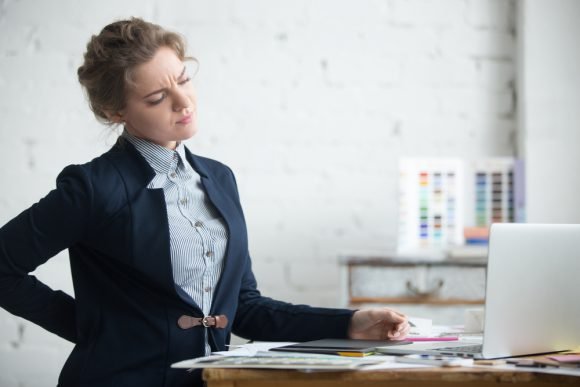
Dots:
(476, 377)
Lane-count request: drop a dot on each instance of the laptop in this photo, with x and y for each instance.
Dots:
(532, 295)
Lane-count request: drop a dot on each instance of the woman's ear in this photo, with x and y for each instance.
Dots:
(115, 117)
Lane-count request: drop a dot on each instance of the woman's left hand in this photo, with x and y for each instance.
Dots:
(378, 324)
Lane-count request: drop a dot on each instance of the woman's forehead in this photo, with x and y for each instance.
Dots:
(164, 66)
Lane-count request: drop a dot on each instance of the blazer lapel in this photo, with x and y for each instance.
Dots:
(150, 230)
(218, 195)
(151, 238)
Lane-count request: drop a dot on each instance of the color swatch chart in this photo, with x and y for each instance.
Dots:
(493, 187)
(430, 204)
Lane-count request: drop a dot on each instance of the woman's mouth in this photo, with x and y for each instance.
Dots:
(185, 120)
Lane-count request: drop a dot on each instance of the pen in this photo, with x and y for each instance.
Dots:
(424, 338)
(354, 354)
(492, 362)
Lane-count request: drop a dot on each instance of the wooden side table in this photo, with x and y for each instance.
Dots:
(440, 290)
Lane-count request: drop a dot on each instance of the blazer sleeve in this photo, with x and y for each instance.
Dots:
(262, 318)
(54, 223)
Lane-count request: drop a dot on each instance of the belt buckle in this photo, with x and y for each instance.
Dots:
(205, 321)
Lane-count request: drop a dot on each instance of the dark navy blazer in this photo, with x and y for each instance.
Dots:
(123, 318)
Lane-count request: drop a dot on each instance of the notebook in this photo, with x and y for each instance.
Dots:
(532, 289)
(337, 346)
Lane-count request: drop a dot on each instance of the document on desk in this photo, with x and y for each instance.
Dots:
(420, 326)
(422, 329)
(251, 349)
(263, 361)
(296, 361)
(258, 355)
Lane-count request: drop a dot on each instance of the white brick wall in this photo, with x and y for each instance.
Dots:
(549, 119)
(310, 102)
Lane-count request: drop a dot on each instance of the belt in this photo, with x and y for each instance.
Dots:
(186, 322)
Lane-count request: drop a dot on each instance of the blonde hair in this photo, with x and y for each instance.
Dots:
(113, 54)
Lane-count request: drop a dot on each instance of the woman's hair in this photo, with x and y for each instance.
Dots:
(113, 54)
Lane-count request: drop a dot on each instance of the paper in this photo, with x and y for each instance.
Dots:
(295, 361)
(251, 349)
(320, 362)
(420, 327)
(389, 363)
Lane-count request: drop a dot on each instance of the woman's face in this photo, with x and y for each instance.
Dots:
(161, 107)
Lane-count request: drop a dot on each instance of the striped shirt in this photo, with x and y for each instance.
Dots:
(198, 234)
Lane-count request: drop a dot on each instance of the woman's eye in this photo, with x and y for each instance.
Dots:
(157, 101)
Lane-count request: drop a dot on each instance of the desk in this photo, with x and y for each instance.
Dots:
(433, 377)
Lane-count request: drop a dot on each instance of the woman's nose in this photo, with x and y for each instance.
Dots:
(180, 101)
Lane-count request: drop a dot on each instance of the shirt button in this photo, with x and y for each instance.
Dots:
(207, 289)
(183, 201)
(209, 254)
(173, 175)
(198, 224)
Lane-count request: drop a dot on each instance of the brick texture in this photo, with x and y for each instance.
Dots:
(310, 102)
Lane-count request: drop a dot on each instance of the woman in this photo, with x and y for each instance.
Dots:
(156, 236)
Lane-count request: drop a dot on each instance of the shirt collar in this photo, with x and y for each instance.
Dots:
(161, 159)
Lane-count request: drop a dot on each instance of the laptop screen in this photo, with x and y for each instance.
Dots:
(532, 289)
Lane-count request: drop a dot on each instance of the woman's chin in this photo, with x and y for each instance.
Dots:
(191, 132)
(187, 132)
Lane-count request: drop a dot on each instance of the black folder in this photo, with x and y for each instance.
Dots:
(336, 346)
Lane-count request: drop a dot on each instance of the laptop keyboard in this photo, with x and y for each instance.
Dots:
(463, 349)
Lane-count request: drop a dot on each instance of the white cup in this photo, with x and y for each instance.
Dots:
(473, 320)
